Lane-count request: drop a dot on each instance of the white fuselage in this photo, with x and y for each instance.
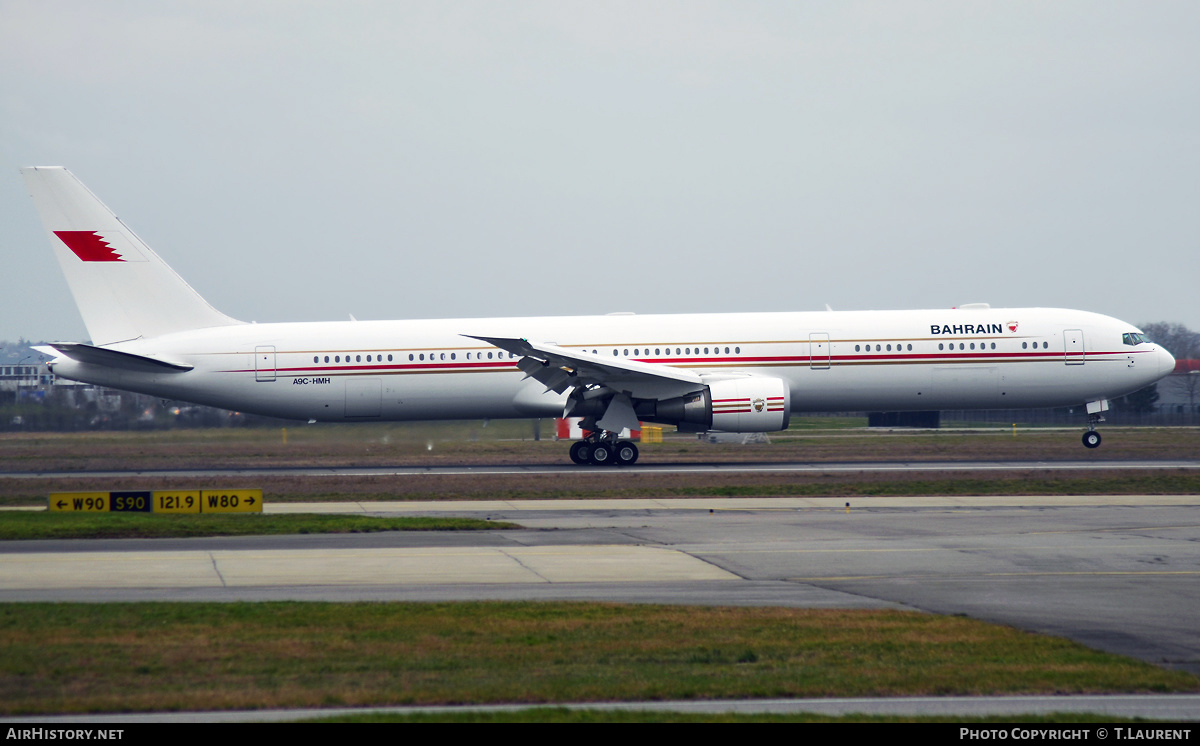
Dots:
(830, 361)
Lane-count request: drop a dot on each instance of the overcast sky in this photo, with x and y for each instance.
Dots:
(306, 161)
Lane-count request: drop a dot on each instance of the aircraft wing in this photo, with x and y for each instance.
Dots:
(560, 368)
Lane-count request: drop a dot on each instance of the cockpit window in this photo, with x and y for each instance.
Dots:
(1134, 338)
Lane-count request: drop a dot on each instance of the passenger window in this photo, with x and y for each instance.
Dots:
(910, 348)
(410, 357)
(326, 358)
(939, 345)
(856, 348)
(451, 355)
(316, 359)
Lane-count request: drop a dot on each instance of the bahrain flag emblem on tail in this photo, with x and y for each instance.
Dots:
(100, 246)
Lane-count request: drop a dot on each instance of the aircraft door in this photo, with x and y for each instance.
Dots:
(264, 363)
(1073, 343)
(818, 350)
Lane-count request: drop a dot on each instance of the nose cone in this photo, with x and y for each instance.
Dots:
(1166, 363)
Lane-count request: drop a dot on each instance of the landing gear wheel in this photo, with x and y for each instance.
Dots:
(627, 453)
(602, 454)
(1091, 439)
(581, 452)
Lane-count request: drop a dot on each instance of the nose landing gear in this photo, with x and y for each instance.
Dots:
(1095, 413)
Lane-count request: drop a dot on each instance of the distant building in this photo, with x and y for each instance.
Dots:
(18, 377)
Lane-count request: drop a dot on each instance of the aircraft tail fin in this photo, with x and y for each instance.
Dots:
(122, 288)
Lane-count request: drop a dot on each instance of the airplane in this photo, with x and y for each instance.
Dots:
(152, 333)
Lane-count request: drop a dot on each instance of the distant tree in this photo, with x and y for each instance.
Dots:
(1177, 339)
(1141, 401)
(1187, 380)
(1184, 344)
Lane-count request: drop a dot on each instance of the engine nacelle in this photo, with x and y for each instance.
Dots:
(739, 405)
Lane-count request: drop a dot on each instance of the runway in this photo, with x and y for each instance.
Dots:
(1118, 573)
(567, 469)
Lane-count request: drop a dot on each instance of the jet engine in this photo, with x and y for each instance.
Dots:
(738, 405)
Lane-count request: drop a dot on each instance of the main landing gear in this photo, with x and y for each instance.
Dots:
(603, 452)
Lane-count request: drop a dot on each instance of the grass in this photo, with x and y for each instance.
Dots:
(123, 657)
(46, 525)
(799, 424)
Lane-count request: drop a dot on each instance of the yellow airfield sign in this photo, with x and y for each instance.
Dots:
(177, 501)
(158, 501)
(231, 501)
(79, 502)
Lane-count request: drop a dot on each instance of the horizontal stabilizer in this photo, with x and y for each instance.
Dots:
(112, 358)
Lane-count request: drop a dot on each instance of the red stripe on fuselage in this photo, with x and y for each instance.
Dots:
(965, 356)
